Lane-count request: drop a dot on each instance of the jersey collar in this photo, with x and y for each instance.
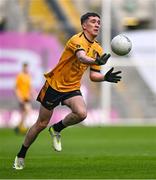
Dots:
(87, 38)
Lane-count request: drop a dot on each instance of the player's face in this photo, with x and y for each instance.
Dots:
(92, 26)
(25, 69)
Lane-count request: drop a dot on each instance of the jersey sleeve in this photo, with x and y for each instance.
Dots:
(95, 68)
(17, 81)
(75, 45)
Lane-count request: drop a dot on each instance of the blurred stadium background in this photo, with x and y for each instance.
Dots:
(36, 31)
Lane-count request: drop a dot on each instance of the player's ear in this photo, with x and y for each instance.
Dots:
(84, 26)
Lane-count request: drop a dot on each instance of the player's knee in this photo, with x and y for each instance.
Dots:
(82, 115)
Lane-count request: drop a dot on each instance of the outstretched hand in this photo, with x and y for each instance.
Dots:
(102, 59)
(112, 77)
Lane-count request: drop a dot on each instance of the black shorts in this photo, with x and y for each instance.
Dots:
(50, 98)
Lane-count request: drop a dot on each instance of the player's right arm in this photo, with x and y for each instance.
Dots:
(81, 55)
(17, 91)
(77, 45)
(18, 95)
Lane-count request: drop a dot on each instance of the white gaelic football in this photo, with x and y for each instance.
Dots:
(121, 45)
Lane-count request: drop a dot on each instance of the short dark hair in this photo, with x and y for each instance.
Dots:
(87, 15)
(25, 64)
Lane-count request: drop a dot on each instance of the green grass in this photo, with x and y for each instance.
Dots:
(106, 153)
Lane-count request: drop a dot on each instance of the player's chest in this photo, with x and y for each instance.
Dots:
(25, 80)
(92, 51)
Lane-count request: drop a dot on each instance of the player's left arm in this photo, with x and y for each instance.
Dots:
(110, 76)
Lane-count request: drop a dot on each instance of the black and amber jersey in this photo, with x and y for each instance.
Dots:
(23, 86)
(66, 76)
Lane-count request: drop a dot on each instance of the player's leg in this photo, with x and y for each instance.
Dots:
(22, 110)
(79, 111)
(40, 124)
(78, 114)
(25, 110)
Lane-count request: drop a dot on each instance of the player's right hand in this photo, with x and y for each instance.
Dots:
(102, 59)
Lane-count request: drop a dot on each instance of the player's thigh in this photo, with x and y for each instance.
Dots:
(76, 104)
(44, 114)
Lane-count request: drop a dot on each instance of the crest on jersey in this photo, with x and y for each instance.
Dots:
(78, 46)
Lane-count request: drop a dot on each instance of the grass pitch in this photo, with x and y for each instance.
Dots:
(97, 153)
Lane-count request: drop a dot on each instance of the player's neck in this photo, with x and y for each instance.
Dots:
(89, 37)
(25, 72)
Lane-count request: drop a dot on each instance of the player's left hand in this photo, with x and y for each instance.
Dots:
(102, 59)
(112, 77)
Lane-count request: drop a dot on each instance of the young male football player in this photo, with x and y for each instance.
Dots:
(62, 84)
(23, 92)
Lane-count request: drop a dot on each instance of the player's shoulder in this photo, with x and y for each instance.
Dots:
(19, 74)
(76, 37)
(97, 43)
